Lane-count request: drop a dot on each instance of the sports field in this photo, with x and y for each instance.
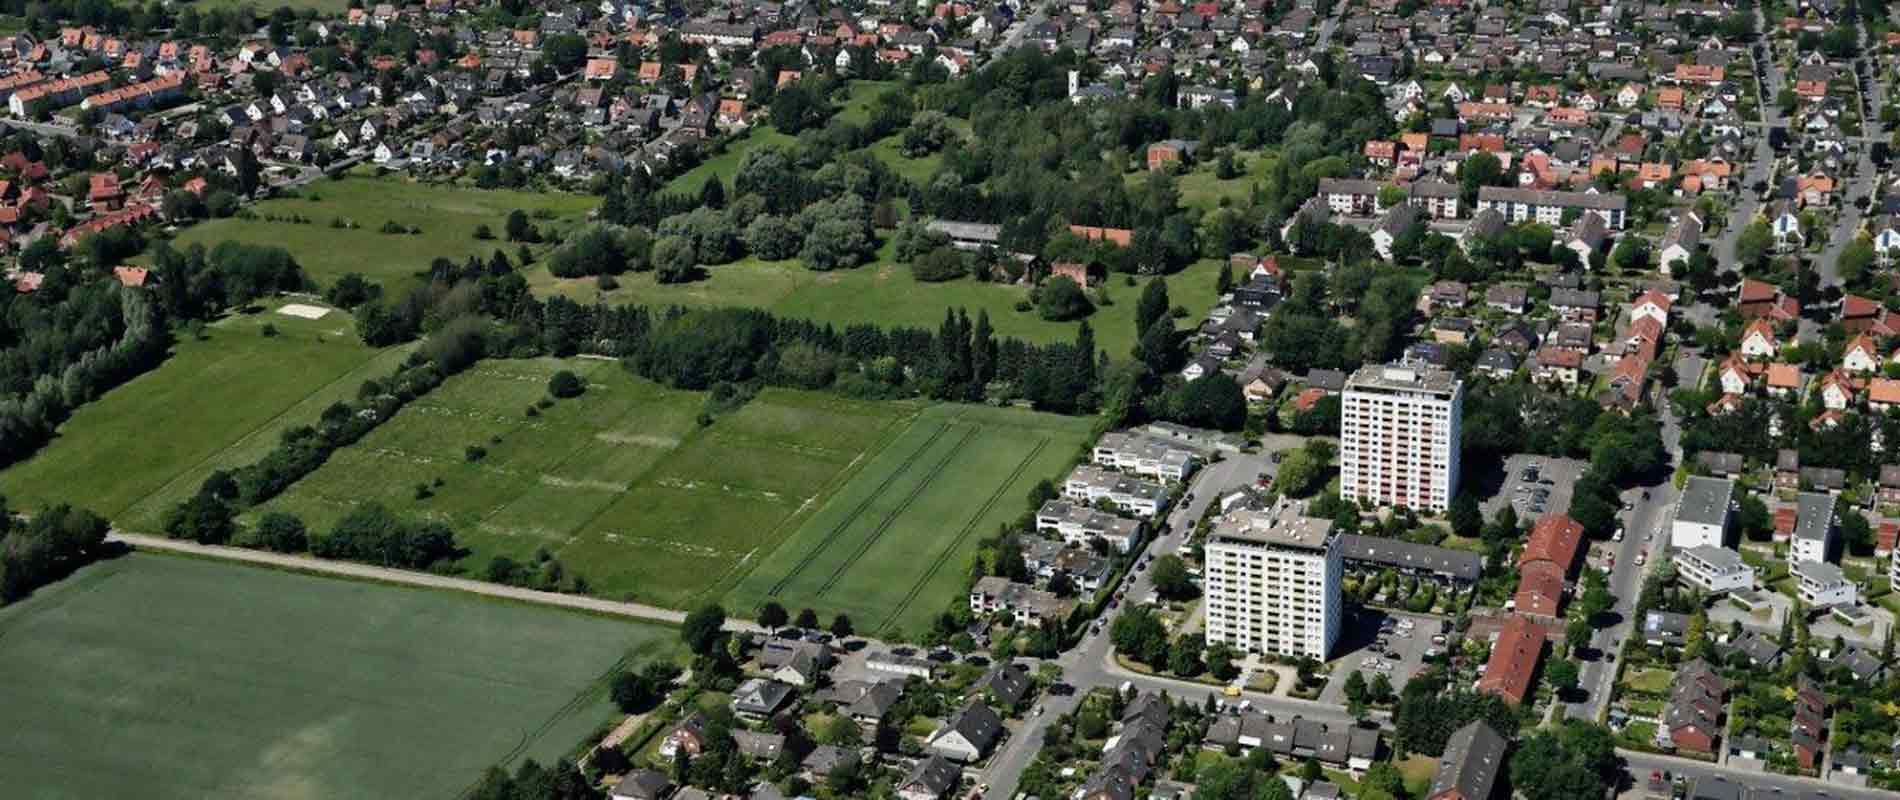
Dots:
(216, 402)
(890, 546)
(621, 483)
(447, 216)
(188, 679)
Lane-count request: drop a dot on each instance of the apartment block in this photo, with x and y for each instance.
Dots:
(1079, 524)
(1399, 435)
(1714, 570)
(1146, 456)
(1813, 528)
(1090, 484)
(1272, 581)
(1822, 585)
(1702, 513)
(1549, 207)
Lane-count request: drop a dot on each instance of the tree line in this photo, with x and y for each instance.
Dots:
(50, 546)
(61, 347)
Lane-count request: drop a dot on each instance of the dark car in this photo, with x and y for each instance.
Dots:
(1061, 690)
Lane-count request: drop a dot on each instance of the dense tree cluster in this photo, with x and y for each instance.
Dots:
(199, 284)
(1430, 710)
(531, 781)
(64, 345)
(48, 547)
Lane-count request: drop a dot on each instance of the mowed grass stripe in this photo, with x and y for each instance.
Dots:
(830, 536)
(852, 516)
(885, 525)
(956, 543)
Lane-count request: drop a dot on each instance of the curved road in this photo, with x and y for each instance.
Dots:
(350, 569)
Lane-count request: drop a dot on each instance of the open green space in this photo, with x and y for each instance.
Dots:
(886, 294)
(897, 539)
(1649, 679)
(217, 402)
(446, 214)
(1201, 189)
(726, 164)
(189, 678)
(622, 483)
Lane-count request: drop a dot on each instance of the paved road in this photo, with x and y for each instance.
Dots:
(1641, 764)
(1091, 663)
(1760, 168)
(1860, 185)
(423, 579)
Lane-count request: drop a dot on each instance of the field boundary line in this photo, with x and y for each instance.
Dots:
(825, 543)
(390, 575)
(736, 574)
(194, 466)
(885, 525)
(968, 527)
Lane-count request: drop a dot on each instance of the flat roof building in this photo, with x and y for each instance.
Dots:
(1813, 527)
(1399, 437)
(1714, 569)
(1272, 582)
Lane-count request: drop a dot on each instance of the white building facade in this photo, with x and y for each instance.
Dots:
(1399, 431)
(1272, 583)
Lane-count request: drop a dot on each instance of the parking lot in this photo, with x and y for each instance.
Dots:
(1535, 486)
(1376, 642)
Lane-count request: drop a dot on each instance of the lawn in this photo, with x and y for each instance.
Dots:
(726, 164)
(896, 541)
(1649, 679)
(217, 402)
(447, 216)
(885, 293)
(191, 678)
(621, 483)
(1201, 189)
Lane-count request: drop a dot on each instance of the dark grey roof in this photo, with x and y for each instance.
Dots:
(935, 774)
(1813, 516)
(1714, 788)
(1458, 564)
(1705, 500)
(1007, 682)
(1473, 756)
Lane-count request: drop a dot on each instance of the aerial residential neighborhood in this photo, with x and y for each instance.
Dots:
(1116, 400)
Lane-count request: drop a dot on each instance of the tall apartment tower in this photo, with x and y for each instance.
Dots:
(1398, 437)
(1271, 582)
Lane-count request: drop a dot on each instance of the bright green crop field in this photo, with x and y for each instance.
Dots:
(189, 679)
(892, 545)
(621, 483)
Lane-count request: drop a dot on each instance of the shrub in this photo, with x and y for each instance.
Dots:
(474, 452)
(565, 384)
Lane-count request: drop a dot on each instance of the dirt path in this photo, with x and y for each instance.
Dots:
(389, 575)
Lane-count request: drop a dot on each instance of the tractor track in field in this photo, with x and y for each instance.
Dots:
(832, 535)
(885, 524)
(964, 533)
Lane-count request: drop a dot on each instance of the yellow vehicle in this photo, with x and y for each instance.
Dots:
(1232, 691)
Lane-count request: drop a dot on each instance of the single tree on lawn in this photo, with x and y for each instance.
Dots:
(841, 626)
(807, 618)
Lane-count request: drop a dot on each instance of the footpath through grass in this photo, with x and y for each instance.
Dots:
(446, 214)
(190, 678)
(621, 483)
(216, 403)
(892, 545)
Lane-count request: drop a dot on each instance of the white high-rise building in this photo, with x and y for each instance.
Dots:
(1271, 582)
(1398, 436)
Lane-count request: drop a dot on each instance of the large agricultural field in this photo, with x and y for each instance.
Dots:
(216, 402)
(447, 216)
(622, 483)
(892, 544)
(188, 678)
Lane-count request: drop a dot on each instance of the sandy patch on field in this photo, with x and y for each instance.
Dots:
(303, 311)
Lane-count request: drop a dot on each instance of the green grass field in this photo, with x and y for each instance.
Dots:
(621, 483)
(885, 293)
(219, 402)
(447, 216)
(189, 679)
(726, 164)
(1201, 189)
(898, 539)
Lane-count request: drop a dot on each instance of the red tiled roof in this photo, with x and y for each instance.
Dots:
(1554, 539)
(1513, 660)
